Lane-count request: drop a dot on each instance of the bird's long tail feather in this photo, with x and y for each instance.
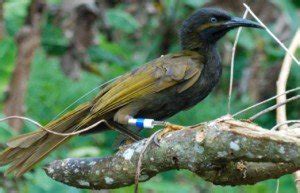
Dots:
(24, 151)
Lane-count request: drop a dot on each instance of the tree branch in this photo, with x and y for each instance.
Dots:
(227, 152)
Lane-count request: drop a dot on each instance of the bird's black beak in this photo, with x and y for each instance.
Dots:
(240, 22)
(215, 31)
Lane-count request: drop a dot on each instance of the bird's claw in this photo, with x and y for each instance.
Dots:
(168, 128)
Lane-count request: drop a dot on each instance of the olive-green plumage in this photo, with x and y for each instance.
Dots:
(158, 90)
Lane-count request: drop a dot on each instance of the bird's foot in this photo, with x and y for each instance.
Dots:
(168, 128)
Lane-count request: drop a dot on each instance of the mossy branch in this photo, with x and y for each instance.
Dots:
(226, 152)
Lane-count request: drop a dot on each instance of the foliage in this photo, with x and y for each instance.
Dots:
(121, 20)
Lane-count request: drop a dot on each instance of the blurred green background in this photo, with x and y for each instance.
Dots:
(84, 43)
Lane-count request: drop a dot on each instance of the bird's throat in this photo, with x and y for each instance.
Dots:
(212, 62)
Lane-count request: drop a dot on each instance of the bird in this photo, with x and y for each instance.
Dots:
(154, 91)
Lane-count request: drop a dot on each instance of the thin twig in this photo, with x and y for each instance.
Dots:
(265, 101)
(272, 35)
(277, 186)
(78, 132)
(283, 78)
(297, 180)
(284, 123)
(273, 107)
(58, 133)
(232, 63)
(22, 118)
(281, 116)
(139, 164)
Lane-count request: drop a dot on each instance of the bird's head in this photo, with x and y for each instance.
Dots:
(208, 25)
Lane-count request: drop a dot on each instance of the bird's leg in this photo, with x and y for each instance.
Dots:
(125, 116)
(121, 118)
(127, 136)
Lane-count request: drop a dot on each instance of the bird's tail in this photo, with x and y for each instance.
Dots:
(24, 151)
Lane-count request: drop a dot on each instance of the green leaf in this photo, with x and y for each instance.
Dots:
(195, 3)
(122, 20)
(99, 54)
(53, 40)
(14, 14)
(7, 57)
(5, 130)
(245, 40)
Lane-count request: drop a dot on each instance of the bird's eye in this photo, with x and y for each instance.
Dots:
(213, 20)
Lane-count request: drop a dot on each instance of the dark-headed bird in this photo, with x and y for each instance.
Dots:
(153, 92)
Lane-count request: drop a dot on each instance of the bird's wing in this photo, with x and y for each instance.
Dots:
(182, 68)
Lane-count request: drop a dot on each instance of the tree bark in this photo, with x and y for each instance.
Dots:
(28, 39)
(82, 36)
(227, 152)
